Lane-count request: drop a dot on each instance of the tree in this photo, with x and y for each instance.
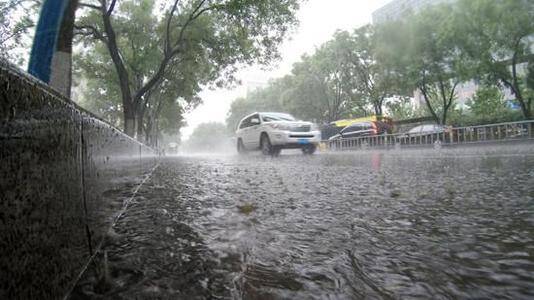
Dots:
(375, 81)
(223, 32)
(488, 106)
(321, 87)
(176, 91)
(164, 113)
(324, 88)
(16, 21)
(264, 99)
(488, 101)
(401, 109)
(436, 63)
(497, 36)
(309, 93)
(424, 50)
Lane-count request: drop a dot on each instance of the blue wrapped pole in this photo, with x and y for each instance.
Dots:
(46, 36)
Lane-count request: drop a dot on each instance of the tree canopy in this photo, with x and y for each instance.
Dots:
(498, 40)
(198, 41)
(17, 17)
(141, 65)
(432, 52)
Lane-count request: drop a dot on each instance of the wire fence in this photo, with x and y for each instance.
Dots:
(502, 132)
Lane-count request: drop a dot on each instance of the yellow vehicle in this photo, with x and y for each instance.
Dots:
(346, 122)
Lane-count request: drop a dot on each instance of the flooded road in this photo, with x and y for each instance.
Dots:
(374, 225)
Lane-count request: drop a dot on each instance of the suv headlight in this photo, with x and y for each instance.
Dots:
(315, 127)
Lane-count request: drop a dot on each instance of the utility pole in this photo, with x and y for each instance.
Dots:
(51, 56)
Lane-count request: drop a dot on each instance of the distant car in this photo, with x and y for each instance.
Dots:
(425, 134)
(426, 129)
(362, 129)
(271, 132)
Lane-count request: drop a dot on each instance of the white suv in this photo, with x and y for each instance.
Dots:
(272, 132)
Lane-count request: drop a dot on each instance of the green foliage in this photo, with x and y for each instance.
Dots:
(17, 19)
(485, 107)
(423, 49)
(351, 75)
(266, 99)
(447, 44)
(99, 81)
(487, 102)
(497, 38)
(530, 76)
(401, 109)
(163, 63)
(432, 51)
(323, 83)
(322, 87)
(375, 77)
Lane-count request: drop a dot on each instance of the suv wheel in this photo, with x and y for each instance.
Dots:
(240, 146)
(265, 144)
(309, 149)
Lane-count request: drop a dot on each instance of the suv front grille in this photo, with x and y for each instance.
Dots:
(301, 128)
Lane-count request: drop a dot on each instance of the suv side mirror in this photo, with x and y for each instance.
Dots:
(254, 121)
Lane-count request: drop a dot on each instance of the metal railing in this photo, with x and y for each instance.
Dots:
(511, 131)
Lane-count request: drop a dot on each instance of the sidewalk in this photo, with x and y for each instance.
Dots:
(151, 253)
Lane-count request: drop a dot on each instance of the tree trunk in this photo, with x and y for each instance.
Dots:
(155, 134)
(516, 89)
(447, 101)
(148, 131)
(525, 109)
(525, 105)
(127, 102)
(129, 120)
(378, 108)
(152, 131)
(140, 125)
(428, 105)
(444, 116)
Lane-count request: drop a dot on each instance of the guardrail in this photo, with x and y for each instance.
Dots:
(511, 131)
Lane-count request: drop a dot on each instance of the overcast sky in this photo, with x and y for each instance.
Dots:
(319, 19)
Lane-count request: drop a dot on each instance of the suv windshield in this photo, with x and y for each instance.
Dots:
(270, 117)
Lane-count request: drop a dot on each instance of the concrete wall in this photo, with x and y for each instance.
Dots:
(64, 175)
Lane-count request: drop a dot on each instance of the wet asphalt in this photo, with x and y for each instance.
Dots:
(441, 224)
